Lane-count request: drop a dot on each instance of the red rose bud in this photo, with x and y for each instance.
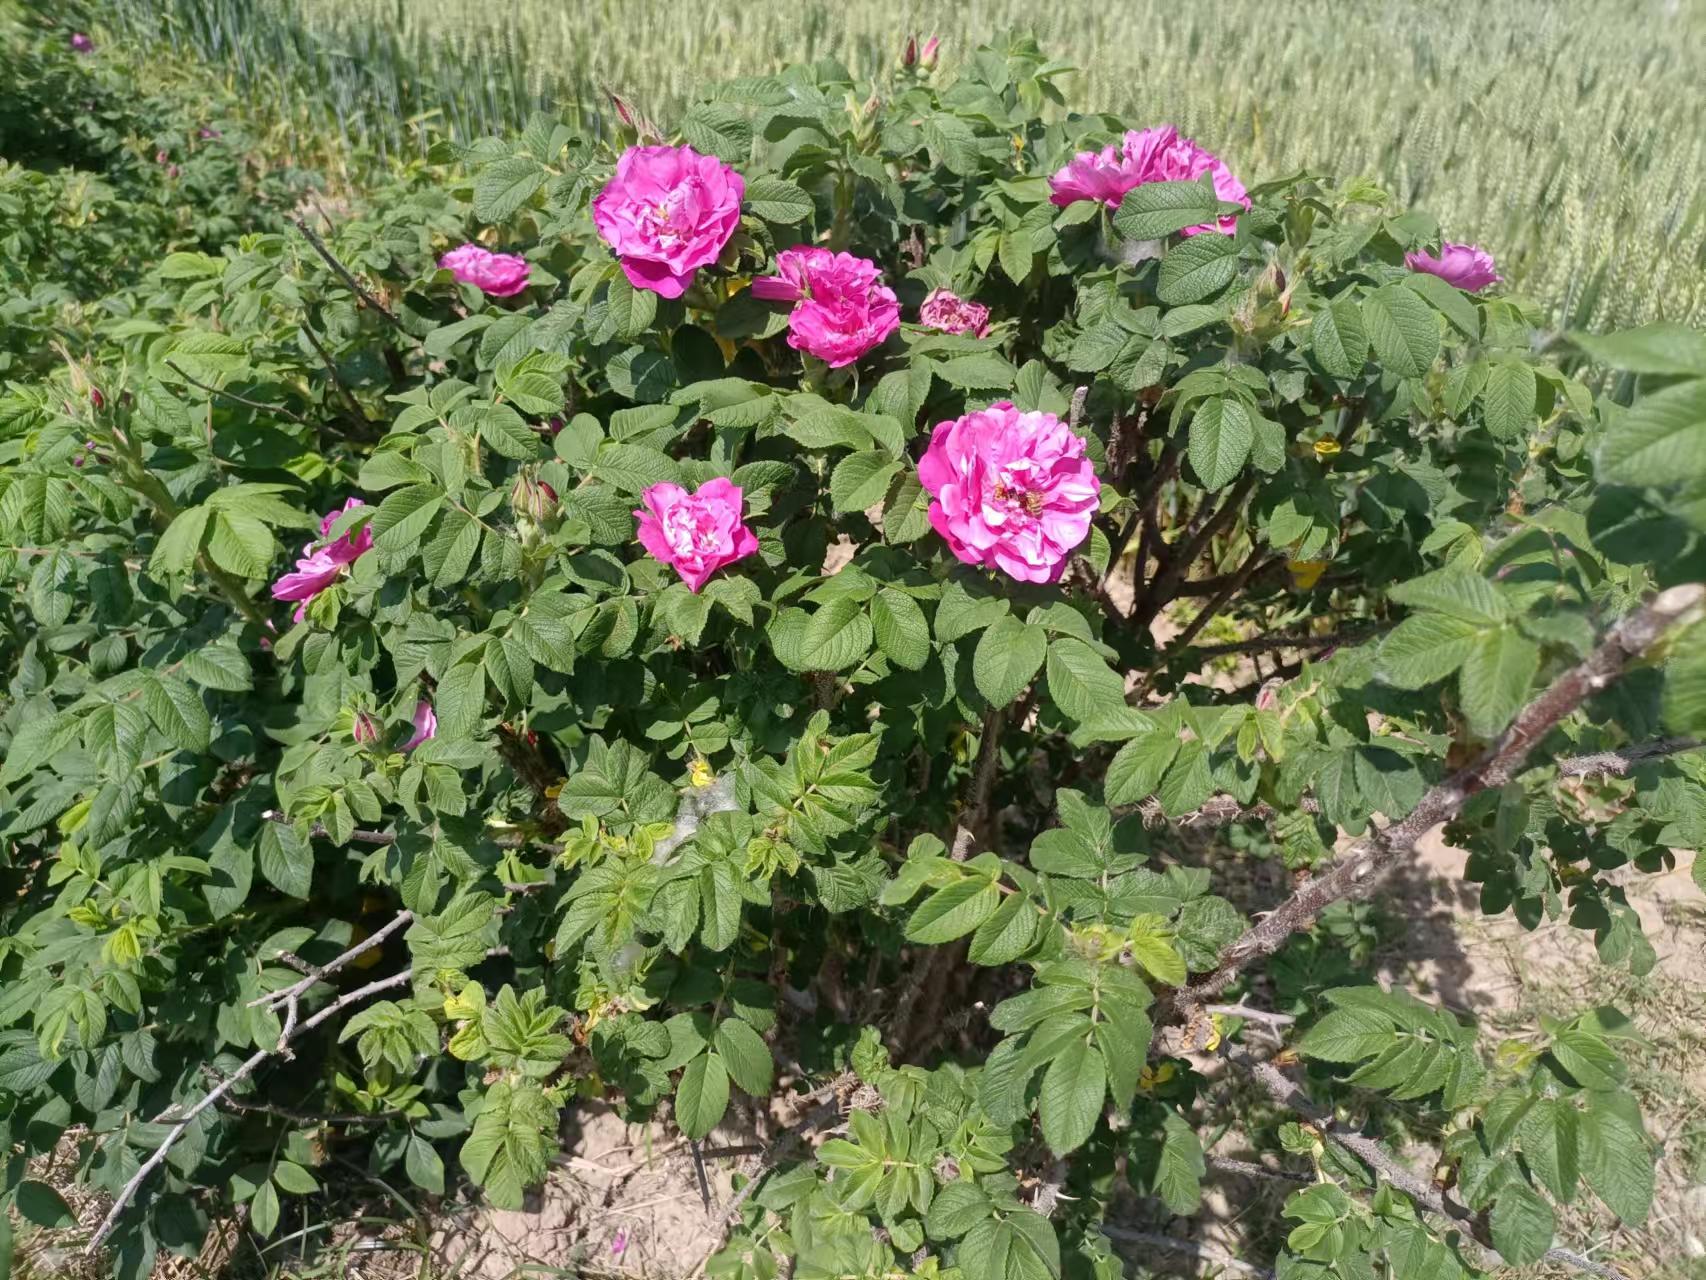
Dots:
(909, 57)
(624, 112)
(533, 498)
(97, 399)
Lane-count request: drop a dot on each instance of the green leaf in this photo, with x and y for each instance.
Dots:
(1006, 935)
(1661, 440)
(1179, 1170)
(294, 1178)
(1425, 647)
(286, 859)
(504, 186)
(901, 630)
(263, 1210)
(1616, 1162)
(1662, 347)
(982, 370)
(41, 1204)
(1548, 1133)
(1337, 338)
(1402, 329)
(1135, 773)
(778, 200)
(177, 711)
(1070, 1100)
(860, 480)
(702, 1096)
(744, 1055)
(38, 741)
(1080, 682)
(1496, 677)
(1220, 440)
(1348, 1035)
(504, 430)
(1447, 299)
(219, 666)
(1508, 398)
(422, 1163)
(835, 637)
(1685, 688)
(956, 1209)
(1157, 209)
(241, 544)
(181, 543)
(953, 911)
(402, 519)
(1522, 1224)
(1195, 268)
(1007, 657)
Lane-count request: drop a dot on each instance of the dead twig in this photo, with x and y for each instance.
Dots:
(237, 399)
(348, 277)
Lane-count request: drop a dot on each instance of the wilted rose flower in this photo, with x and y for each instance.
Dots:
(842, 309)
(207, 135)
(667, 212)
(695, 533)
(945, 310)
(425, 725)
(1467, 266)
(1146, 155)
(81, 43)
(320, 566)
(501, 275)
(1012, 491)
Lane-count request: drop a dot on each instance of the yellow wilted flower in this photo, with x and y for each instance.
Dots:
(1151, 1078)
(699, 772)
(1326, 449)
(1305, 573)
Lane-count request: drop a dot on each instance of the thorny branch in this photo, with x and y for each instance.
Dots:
(348, 278)
(128, 1192)
(1366, 862)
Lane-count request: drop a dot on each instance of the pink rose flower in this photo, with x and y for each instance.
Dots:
(697, 533)
(1146, 155)
(425, 723)
(667, 212)
(1012, 491)
(932, 48)
(945, 310)
(81, 43)
(1467, 266)
(321, 566)
(842, 308)
(501, 275)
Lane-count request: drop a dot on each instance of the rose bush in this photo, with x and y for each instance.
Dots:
(706, 673)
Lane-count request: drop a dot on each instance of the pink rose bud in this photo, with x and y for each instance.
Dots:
(81, 43)
(366, 728)
(1146, 155)
(207, 135)
(667, 212)
(909, 55)
(1467, 266)
(1011, 491)
(695, 533)
(927, 58)
(947, 311)
(532, 497)
(624, 112)
(842, 308)
(498, 275)
(556, 425)
(425, 725)
(172, 171)
(160, 157)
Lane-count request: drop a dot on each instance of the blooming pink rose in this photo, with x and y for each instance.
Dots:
(842, 308)
(947, 311)
(1146, 155)
(697, 533)
(666, 213)
(1012, 491)
(1467, 266)
(502, 275)
(81, 43)
(321, 566)
(425, 723)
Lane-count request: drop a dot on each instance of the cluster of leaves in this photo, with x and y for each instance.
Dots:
(655, 826)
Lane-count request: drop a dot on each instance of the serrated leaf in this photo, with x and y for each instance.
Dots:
(1195, 268)
(860, 480)
(177, 711)
(1507, 400)
(402, 519)
(1136, 771)
(1156, 209)
(1221, 436)
(1522, 1224)
(503, 186)
(1616, 1162)
(1424, 648)
(702, 1097)
(901, 630)
(1496, 677)
(1070, 1099)
(1080, 682)
(744, 1055)
(1402, 329)
(1348, 1035)
(1338, 340)
(778, 200)
(1661, 440)
(1007, 658)
(953, 911)
(1662, 347)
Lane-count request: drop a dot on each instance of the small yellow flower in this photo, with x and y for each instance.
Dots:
(552, 791)
(699, 772)
(1305, 573)
(1326, 449)
(1214, 1030)
(1151, 1078)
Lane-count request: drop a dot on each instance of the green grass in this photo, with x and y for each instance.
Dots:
(1568, 136)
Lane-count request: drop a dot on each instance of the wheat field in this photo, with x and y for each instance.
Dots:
(1567, 136)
